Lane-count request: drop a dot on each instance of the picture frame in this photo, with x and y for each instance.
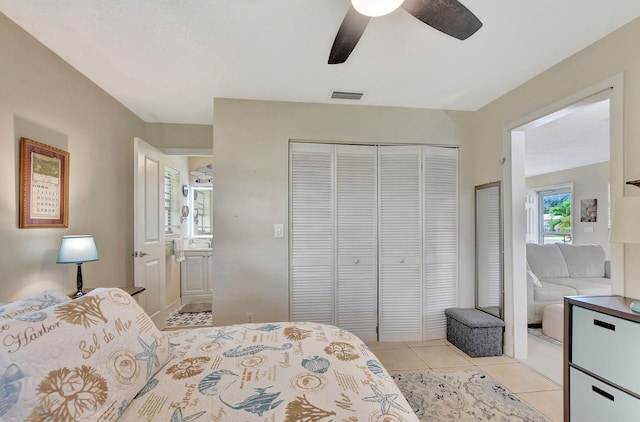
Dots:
(589, 211)
(44, 186)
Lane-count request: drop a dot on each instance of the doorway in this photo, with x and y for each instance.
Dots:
(515, 136)
(188, 272)
(178, 169)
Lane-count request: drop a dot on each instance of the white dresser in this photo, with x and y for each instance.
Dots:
(601, 359)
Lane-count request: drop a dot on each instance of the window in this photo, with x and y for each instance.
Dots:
(555, 215)
(171, 201)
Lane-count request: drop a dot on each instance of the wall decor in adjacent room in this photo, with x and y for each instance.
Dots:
(589, 210)
(44, 185)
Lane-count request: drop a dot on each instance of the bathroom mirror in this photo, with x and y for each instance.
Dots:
(202, 216)
(489, 294)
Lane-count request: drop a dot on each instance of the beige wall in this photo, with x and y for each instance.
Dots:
(43, 98)
(251, 156)
(171, 135)
(589, 182)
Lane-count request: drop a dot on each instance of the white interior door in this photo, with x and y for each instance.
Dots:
(400, 309)
(311, 233)
(356, 271)
(440, 238)
(149, 249)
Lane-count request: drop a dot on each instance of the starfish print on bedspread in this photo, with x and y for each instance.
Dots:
(386, 400)
(221, 335)
(149, 354)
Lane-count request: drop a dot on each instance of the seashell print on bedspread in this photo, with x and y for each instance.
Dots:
(101, 358)
(281, 371)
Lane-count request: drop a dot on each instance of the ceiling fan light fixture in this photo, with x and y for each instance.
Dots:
(375, 8)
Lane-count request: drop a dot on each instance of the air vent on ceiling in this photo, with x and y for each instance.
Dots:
(346, 95)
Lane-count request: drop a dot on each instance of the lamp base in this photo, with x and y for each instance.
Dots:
(78, 282)
(78, 294)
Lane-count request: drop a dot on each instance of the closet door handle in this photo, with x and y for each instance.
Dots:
(356, 261)
(402, 260)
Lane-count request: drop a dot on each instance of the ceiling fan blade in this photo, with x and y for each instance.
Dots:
(448, 16)
(349, 33)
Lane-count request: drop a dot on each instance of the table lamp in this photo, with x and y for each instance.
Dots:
(76, 250)
(625, 226)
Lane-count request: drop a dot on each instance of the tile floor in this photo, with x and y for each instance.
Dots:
(537, 390)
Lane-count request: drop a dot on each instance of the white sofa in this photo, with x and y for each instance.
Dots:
(559, 270)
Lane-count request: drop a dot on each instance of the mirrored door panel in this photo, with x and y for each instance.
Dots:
(489, 284)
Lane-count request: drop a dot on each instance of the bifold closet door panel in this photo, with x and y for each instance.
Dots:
(440, 237)
(400, 237)
(311, 232)
(356, 287)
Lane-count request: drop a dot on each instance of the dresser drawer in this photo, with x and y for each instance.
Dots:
(592, 400)
(607, 346)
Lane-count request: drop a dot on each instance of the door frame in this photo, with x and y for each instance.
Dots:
(515, 221)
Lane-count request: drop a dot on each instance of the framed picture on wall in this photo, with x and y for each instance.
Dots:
(589, 210)
(44, 185)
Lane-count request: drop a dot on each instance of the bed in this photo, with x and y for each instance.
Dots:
(100, 358)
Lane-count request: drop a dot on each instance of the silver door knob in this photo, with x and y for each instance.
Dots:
(141, 254)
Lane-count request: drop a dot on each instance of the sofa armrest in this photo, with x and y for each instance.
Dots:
(607, 268)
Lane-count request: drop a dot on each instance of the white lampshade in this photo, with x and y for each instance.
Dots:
(77, 249)
(376, 7)
(625, 221)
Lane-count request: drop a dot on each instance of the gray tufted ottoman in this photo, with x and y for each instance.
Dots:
(476, 333)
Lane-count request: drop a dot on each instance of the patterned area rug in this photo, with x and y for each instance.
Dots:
(465, 395)
(190, 319)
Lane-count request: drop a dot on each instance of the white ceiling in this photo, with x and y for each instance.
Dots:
(167, 59)
(574, 137)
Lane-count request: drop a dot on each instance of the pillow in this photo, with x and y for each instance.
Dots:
(29, 306)
(102, 347)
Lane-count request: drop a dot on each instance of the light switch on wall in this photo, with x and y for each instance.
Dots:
(278, 231)
(588, 229)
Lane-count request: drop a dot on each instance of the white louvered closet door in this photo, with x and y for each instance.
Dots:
(334, 236)
(356, 276)
(374, 238)
(400, 234)
(311, 232)
(440, 247)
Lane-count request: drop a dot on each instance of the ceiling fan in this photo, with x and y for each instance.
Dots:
(447, 16)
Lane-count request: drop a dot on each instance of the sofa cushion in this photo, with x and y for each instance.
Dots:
(550, 292)
(586, 286)
(583, 260)
(546, 261)
(86, 360)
